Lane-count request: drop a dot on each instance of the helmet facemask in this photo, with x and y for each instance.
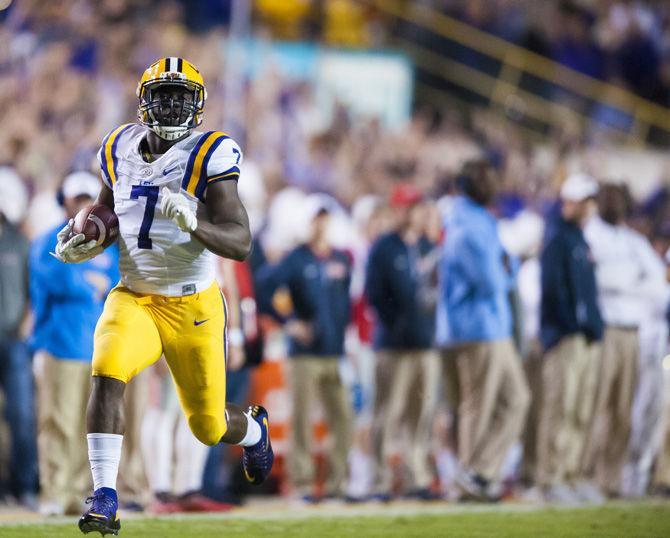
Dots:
(171, 108)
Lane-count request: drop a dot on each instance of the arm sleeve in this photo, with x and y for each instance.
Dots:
(558, 285)
(608, 275)
(38, 294)
(269, 279)
(375, 283)
(224, 164)
(25, 256)
(403, 289)
(215, 157)
(103, 169)
(513, 273)
(52, 278)
(653, 286)
(349, 306)
(107, 155)
(478, 265)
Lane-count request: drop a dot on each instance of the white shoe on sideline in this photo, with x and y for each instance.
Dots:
(51, 508)
(588, 492)
(561, 494)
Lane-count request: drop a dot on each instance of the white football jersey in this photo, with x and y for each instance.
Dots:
(156, 257)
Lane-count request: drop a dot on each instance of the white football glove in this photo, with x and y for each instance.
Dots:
(72, 248)
(176, 206)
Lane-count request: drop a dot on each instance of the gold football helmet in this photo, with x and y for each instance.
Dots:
(172, 97)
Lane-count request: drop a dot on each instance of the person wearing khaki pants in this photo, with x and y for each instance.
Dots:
(618, 376)
(400, 286)
(569, 383)
(133, 484)
(63, 387)
(66, 301)
(475, 327)
(317, 277)
(570, 324)
(660, 481)
(627, 275)
(315, 378)
(647, 420)
(405, 400)
(492, 404)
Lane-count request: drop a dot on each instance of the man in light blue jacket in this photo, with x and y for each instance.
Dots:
(477, 277)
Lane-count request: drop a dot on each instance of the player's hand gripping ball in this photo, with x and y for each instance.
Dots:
(92, 230)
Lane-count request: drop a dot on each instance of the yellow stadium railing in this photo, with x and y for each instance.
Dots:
(515, 62)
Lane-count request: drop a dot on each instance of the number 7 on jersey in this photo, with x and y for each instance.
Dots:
(150, 192)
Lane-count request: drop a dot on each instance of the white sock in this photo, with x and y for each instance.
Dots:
(104, 454)
(253, 434)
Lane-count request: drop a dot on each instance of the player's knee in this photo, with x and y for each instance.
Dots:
(207, 428)
(106, 363)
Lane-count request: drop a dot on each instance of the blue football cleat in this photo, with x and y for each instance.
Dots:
(257, 460)
(102, 516)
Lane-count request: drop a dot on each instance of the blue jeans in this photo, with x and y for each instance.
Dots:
(16, 380)
(219, 466)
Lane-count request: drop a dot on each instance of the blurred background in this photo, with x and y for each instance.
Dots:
(385, 118)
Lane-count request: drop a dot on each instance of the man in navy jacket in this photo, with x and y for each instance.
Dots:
(569, 325)
(317, 277)
(400, 286)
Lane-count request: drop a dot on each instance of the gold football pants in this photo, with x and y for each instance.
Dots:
(136, 329)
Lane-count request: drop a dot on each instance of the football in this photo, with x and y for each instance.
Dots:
(97, 223)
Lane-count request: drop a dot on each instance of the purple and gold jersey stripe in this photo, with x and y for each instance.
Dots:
(202, 181)
(197, 154)
(109, 160)
(195, 176)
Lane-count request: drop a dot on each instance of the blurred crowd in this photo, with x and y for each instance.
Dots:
(474, 313)
(623, 42)
(626, 42)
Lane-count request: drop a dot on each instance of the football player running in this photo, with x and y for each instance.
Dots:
(174, 190)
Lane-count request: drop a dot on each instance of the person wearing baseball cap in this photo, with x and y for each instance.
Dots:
(570, 325)
(404, 195)
(579, 188)
(67, 301)
(80, 184)
(398, 280)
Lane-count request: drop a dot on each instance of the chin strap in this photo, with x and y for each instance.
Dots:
(170, 133)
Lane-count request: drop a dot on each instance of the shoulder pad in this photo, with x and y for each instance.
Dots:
(215, 157)
(107, 155)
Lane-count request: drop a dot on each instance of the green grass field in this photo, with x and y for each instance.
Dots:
(639, 520)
